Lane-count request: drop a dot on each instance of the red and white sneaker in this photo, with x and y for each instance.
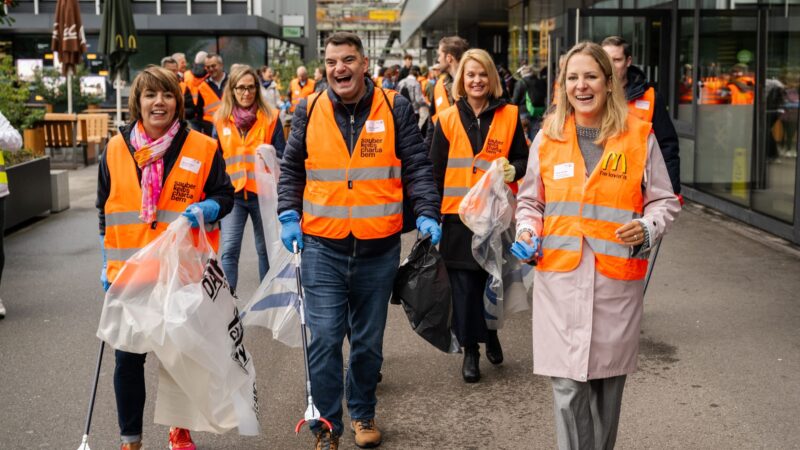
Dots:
(179, 438)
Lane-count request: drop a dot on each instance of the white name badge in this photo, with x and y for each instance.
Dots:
(226, 131)
(566, 170)
(375, 126)
(439, 101)
(190, 164)
(642, 104)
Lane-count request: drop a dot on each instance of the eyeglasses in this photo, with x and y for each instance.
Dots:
(243, 89)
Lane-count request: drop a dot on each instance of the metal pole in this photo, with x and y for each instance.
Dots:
(85, 441)
(577, 25)
(650, 266)
(118, 88)
(69, 90)
(96, 7)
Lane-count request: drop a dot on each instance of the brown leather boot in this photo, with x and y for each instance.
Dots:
(367, 434)
(327, 440)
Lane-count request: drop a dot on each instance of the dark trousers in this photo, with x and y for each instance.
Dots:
(469, 323)
(130, 392)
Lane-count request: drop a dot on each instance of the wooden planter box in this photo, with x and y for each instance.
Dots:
(30, 197)
(34, 140)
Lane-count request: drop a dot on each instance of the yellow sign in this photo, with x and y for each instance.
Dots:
(739, 175)
(91, 56)
(384, 15)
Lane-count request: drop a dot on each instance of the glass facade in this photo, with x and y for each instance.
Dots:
(730, 73)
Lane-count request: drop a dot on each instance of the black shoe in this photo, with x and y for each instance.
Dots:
(494, 352)
(470, 370)
(380, 377)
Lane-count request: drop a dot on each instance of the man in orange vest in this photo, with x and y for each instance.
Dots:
(192, 79)
(449, 54)
(209, 97)
(645, 103)
(741, 87)
(351, 150)
(300, 87)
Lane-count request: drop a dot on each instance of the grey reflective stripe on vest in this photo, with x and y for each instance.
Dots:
(211, 106)
(562, 209)
(358, 212)
(241, 174)
(360, 174)
(132, 217)
(239, 158)
(482, 164)
(366, 212)
(609, 248)
(336, 212)
(459, 163)
(455, 191)
(570, 243)
(609, 214)
(120, 254)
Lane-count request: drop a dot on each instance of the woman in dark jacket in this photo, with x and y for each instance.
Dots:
(478, 129)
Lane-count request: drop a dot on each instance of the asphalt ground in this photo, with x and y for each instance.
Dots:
(719, 359)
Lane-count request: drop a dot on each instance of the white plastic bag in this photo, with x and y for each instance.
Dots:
(275, 303)
(171, 298)
(488, 210)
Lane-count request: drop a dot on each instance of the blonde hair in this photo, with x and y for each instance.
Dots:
(616, 108)
(239, 71)
(156, 79)
(484, 59)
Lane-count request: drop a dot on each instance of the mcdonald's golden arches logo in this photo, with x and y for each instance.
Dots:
(616, 162)
(121, 41)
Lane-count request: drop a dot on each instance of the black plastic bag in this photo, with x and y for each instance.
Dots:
(423, 288)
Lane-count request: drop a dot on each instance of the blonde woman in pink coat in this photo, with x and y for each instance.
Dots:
(595, 198)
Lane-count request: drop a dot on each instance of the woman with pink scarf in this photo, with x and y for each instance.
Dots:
(243, 123)
(153, 171)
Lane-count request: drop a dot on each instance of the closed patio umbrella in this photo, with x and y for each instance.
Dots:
(69, 41)
(118, 42)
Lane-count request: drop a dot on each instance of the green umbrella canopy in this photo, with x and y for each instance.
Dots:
(118, 36)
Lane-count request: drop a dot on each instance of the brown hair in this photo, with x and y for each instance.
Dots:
(156, 79)
(239, 71)
(454, 45)
(616, 41)
(483, 58)
(345, 38)
(616, 109)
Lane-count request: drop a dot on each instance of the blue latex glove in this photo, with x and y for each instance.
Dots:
(426, 225)
(209, 208)
(290, 229)
(524, 251)
(103, 276)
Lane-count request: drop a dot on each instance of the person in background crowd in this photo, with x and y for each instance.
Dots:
(170, 64)
(350, 229)
(449, 54)
(508, 81)
(243, 122)
(300, 87)
(530, 94)
(320, 81)
(381, 74)
(181, 58)
(741, 87)
(410, 88)
(210, 92)
(140, 190)
(433, 75)
(408, 62)
(481, 127)
(645, 103)
(192, 80)
(595, 197)
(10, 140)
(390, 77)
(269, 89)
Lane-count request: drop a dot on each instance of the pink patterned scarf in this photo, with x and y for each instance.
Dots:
(148, 154)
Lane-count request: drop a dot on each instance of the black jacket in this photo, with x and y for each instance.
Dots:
(416, 175)
(535, 88)
(456, 242)
(218, 186)
(663, 128)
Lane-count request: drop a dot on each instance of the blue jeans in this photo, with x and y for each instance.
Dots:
(343, 290)
(232, 232)
(129, 389)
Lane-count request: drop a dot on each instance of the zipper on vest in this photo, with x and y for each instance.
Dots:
(352, 132)
(154, 225)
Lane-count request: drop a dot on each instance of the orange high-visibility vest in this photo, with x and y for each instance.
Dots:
(644, 106)
(211, 102)
(298, 92)
(464, 168)
(739, 96)
(440, 100)
(125, 232)
(578, 208)
(192, 83)
(240, 151)
(379, 81)
(360, 193)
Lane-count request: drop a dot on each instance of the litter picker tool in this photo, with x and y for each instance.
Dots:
(85, 441)
(312, 413)
(650, 266)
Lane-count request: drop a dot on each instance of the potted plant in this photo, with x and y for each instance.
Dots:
(25, 119)
(51, 87)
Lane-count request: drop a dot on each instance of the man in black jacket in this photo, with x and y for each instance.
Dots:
(642, 99)
(349, 154)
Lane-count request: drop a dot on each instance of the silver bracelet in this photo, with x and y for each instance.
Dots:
(523, 230)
